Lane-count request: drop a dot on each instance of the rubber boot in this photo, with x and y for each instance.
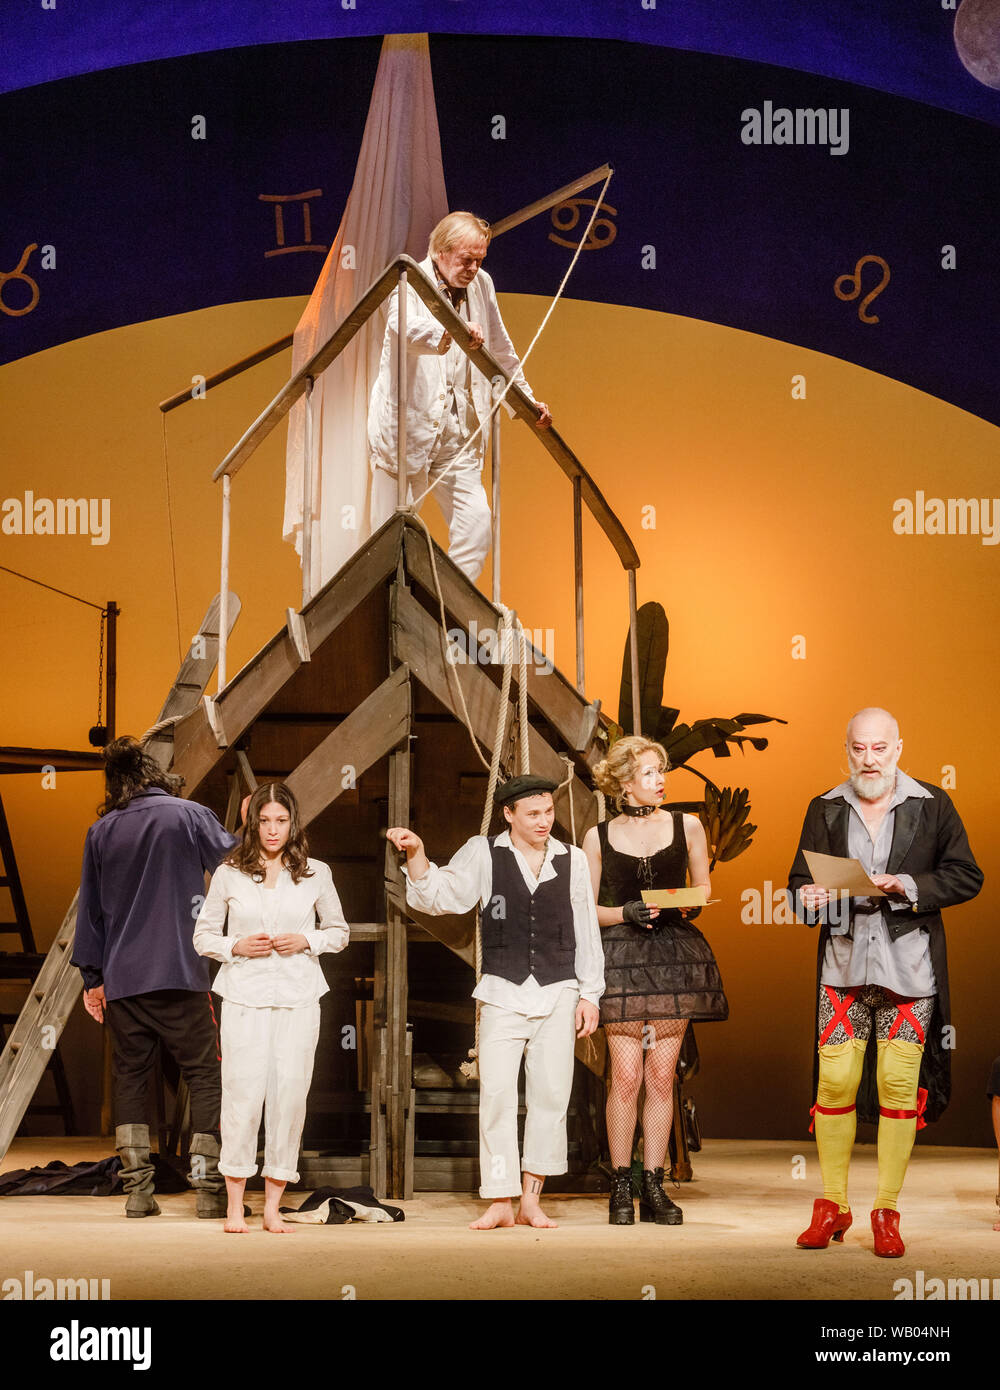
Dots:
(205, 1177)
(137, 1171)
(620, 1209)
(654, 1204)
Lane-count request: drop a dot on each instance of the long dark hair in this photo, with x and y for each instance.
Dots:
(248, 856)
(129, 771)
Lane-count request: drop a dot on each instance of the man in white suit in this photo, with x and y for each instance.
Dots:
(448, 398)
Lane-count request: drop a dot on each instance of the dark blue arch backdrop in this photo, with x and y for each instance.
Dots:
(145, 221)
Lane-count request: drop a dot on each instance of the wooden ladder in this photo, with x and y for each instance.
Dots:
(23, 969)
(32, 1042)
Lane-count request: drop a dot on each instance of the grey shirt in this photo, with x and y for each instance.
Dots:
(868, 955)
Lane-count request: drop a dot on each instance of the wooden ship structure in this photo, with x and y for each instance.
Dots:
(358, 706)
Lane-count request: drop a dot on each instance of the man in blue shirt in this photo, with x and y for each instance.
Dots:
(143, 882)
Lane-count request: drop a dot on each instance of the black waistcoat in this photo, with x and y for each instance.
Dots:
(527, 933)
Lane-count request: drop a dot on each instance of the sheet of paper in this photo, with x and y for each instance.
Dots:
(841, 875)
(675, 897)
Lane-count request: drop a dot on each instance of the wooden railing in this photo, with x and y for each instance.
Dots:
(405, 272)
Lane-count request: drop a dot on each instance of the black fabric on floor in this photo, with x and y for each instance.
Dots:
(100, 1178)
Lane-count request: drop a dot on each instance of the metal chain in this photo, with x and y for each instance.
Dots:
(100, 667)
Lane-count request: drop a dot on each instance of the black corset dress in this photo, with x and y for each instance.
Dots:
(666, 973)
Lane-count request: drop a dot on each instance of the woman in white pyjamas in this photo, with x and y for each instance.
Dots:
(283, 912)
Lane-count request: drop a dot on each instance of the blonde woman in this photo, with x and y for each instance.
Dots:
(660, 970)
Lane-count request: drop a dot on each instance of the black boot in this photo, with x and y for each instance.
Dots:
(620, 1209)
(137, 1171)
(205, 1177)
(654, 1204)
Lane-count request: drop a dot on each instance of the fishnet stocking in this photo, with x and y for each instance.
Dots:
(642, 1054)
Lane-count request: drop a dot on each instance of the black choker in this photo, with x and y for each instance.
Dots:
(628, 810)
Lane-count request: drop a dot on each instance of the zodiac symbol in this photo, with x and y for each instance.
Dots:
(279, 221)
(19, 274)
(854, 287)
(571, 210)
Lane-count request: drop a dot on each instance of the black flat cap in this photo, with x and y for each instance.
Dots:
(526, 785)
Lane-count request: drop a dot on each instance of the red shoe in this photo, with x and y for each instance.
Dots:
(885, 1228)
(828, 1223)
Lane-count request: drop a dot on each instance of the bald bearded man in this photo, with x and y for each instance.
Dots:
(883, 972)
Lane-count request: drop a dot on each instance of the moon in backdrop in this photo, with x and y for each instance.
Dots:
(977, 39)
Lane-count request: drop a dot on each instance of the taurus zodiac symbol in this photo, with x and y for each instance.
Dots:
(19, 274)
(853, 286)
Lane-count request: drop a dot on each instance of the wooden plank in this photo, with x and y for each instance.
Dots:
(399, 1041)
(548, 689)
(197, 667)
(251, 690)
(297, 632)
(192, 678)
(62, 759)
(457, 933)
(214, 720)
(417, 640)
(295, 387)
(375, 727)
(37, 1031)
(514, 219)
(246, 771)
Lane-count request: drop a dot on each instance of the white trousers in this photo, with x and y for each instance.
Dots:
(460, 495)
(547, 1046)
(267, 1063)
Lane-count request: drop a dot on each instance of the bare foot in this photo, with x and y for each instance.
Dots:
(276, 1226)
(497, 1214)
(534, 1216)
(235, 1224)
(996, 1225)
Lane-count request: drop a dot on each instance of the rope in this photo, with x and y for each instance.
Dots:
(449, 665)
(160, 726)
(541, 328)
(18, 575)
(522, 699)
(567, 782)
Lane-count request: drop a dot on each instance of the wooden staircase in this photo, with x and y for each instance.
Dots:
(352, 704)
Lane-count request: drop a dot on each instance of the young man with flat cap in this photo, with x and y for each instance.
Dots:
(542, 981)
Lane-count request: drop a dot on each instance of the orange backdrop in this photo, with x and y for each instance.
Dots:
(764, 523)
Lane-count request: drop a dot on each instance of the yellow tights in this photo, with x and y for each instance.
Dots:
(840, 1067)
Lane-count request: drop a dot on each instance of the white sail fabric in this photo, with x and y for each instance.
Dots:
(397, 198)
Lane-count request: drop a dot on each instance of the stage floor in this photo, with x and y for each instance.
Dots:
(741, 1217)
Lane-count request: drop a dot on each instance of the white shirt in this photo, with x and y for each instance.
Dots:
(271, 981)
(468, 879)
(428, 400)
(861, 952)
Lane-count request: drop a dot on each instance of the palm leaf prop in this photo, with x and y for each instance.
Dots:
(653, 643)
(726, 810)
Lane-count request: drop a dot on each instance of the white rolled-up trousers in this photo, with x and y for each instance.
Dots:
(548, 1048)
(460, 495)
(267, 1065)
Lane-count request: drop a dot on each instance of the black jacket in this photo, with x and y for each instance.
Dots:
(928, 842)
